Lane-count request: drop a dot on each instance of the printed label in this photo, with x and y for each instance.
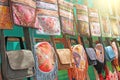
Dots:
(31, 3)
(49, 1)
(44, 5)
(47, 12)
(66, 14)
(82, 7)
(93, 19)
(92, 14)
(83, 17)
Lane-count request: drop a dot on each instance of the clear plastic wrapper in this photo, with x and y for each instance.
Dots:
(114, 27)
(105, 26)
(94, 22)
(66, 17)
(82, 20)
(24, 12)
(47, 18)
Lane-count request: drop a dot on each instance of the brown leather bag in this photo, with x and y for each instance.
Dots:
(64, 56)
(65, 59)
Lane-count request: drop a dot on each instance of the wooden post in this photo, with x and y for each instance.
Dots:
(28, 43)
(3, 56)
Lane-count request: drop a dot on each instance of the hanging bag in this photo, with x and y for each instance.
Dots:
(114, 27)
(46, 62)
(5, 15)
(115, 61)
(82, 20)
(64, 58)
(80, 59)
(23, 12)
(100, 59)
(64, 55)
(78, 71)
(105, 26)
(110, 55)
(94, 22)
(20, 63)
(91, 56)
(47, 17)
(66, 17)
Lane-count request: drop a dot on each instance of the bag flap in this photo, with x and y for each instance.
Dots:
(21, 59)
(99, 52)
(115, 49)
(45, 55)
(110, 53)
(64, 56)
(81, 58)
(91, 53)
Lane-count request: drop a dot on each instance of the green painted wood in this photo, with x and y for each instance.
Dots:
(62, 75)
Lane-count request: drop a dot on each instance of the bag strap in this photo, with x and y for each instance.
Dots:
(28, 42)
(66, 43)
(69, 46)
(118, 45)
(20, 40)
(3, 54)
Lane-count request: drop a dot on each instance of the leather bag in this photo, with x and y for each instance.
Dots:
(64, 56)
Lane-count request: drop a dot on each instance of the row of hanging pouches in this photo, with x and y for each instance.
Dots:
(47, 20)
